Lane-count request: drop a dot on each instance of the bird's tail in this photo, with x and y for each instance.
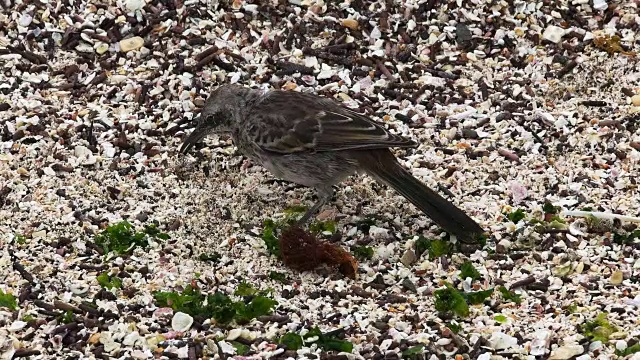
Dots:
(383, 166)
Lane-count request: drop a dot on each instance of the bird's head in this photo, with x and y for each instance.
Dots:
(218, 116)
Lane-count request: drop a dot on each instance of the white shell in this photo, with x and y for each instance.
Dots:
(234, 334)
(566, 352)
(553, 33)
(25, 20)
(17, 325)
(102, 48)
(181, 322)
(134, 5)
(79, 288)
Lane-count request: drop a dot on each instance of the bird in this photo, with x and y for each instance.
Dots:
(317, 142)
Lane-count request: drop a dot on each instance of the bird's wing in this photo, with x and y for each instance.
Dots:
(289, 122)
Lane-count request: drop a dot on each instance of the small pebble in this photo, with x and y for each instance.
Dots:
(134, 5)
(234, 334)
(596, 345)
(25, 20)
(600, 4)
(226, 347)
(101, 48)
(408, 258)
(17, 326)
(566, 352)
(133, 43)
(617, 277)
(540, 342)
(502, 341)
(350, 23)
(553, 33)
(618, 335)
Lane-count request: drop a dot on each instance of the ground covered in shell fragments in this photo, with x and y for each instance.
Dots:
(113, 246)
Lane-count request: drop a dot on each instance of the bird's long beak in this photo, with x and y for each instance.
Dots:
(195, 137)
(191, 140)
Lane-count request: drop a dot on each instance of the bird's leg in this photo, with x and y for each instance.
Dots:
(324, 196)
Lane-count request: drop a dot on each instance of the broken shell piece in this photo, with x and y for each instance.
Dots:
(181, 322)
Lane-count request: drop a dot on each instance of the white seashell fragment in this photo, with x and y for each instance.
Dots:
(234, 334)
(181, 322)
(553, 33)
(17, 325)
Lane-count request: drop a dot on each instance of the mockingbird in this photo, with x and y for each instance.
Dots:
(316, 142)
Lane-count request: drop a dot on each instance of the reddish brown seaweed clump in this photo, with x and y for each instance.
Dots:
(302, 251)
